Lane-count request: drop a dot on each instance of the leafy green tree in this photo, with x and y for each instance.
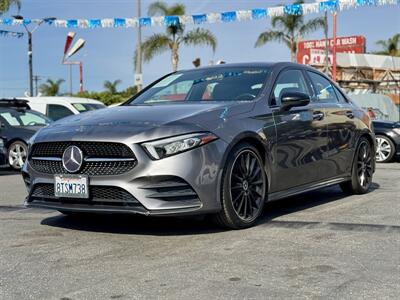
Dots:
(5, 5)
(391, 46)
(290, 29)
(175, 35)
(109, 98)
(51, 87)
(111, 86)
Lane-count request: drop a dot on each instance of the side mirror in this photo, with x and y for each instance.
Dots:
(2, 125)
(294, 99)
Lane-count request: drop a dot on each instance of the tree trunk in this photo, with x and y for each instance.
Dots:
(175, 57)
(293, 51)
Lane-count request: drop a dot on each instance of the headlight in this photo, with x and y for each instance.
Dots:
(178, 144)
(397, 130)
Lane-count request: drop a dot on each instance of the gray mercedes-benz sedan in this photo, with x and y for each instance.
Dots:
(219, 140)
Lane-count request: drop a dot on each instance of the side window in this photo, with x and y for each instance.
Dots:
(56, 112)
(340, 96)
(323, 88)
(289, 81)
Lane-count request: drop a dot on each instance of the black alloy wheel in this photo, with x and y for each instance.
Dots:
(244, 188)
(362, 169)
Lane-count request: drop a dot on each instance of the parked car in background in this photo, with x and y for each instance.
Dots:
(218, 140)
(18, 123)
(387, 139)
(57, 108)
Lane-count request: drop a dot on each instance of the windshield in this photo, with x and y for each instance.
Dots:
(215, 84)
(82, 107)
(24, 118)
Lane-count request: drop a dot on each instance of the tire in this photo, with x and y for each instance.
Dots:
(362, 170)
(385, 149)
(243, 188)
(17, 154)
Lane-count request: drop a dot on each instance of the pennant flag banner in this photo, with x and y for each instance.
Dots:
(331, 6)
(7, 33)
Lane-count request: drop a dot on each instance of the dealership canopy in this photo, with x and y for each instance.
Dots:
(198, 19)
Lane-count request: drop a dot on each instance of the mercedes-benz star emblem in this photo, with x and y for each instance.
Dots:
(72, 159)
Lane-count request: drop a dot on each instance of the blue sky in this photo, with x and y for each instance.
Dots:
(108, 53)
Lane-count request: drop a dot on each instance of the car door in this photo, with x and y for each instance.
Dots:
(301, 134)
(341, 126)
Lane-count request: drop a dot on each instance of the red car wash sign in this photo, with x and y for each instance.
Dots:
(309, 52)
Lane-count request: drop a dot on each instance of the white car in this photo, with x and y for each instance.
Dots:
(56, 108)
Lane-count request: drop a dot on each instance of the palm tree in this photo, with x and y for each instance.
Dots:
(51, 87)
(290, 29)
(5, 5)
(391, 46)
(111, 87)
(174, 36)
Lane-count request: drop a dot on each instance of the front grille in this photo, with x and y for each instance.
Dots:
(112, 158)
(98, 195)
(90, 149)
(97, 168)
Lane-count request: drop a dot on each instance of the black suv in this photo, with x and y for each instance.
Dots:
(18, 123)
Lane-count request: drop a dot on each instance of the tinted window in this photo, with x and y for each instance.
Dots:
(340, 96)
(213, 84)
(289, 81)
(56, 112)
(323, 88)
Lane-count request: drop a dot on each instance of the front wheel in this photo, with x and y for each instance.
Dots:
(243, 188)
(362, 170)
(17, 153)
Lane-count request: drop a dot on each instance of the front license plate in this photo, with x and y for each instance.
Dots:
(71, 186)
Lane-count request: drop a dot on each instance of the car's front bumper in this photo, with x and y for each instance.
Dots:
(187, 183)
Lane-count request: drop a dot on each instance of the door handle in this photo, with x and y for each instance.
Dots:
(318, 115)
(350, 114)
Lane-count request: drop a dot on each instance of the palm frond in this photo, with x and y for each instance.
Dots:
(5, 5)
(51, 87)
(269, 36)
(155, 44)
(158, 7)
(200, 36)
(162, 8)
(312, 25)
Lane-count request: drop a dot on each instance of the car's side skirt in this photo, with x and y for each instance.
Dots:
(306, 188)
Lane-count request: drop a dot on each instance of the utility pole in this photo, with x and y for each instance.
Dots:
(334, 48)
(138, 66)
(326, 44)
(36, 79)
(30, 64)
(30, 48)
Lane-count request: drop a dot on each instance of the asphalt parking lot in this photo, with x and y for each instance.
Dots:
(318, 245)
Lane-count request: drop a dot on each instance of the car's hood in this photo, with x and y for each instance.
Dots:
(143, 122)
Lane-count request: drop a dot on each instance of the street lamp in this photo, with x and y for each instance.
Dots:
(30, 32)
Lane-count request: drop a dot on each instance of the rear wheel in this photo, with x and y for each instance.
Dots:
(243, 188)
(385, 149)
(17, 153)
(362, 170)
